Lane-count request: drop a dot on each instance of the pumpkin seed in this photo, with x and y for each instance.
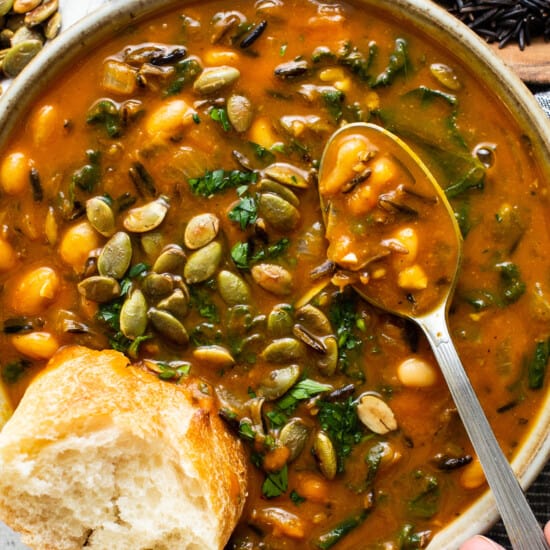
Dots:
(271, 186)
(42, 12)
(239, 112)
(278, 382)
(294, 436)
(446, 76)
(216, 356)
(170, 260)
(147, 217)
(177, 304)
(278, 212)
(283, 350)
(291, 69)
(203, 263)
(19, 56)
(157, 285)
(280, 321)
(328, 362)
(273, 278)
(215, 78)
(23, 6)
(152, 243)
(5, 7)
(167, 325)
(308, 338)
(116, 256)
(201, 230)
(101, 216)
(233, 289)
(23, 33)
(313, 319)
(99, 288)
(53, 26)
(133, 315)
(325, 454)
(375, 414)
(287, 174)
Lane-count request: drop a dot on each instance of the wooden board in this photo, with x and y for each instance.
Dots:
(532, 64)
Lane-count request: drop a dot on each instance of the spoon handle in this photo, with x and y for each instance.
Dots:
(521, 525)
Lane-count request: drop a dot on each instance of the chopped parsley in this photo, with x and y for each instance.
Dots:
(302, 390)
(276, 483)
(219, 114)
(245, 212)
(217, 181)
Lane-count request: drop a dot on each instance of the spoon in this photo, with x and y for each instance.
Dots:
(392, 231)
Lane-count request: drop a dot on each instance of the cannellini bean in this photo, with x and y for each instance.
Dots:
(280, 520)
(313, 488)
(262, 133)
(169, 119)
(332, 74)
(412, 278)
(416, 373)
(8, 256)
(77, 243)
(216, 57)
(408, 237)
(36, 345)
(45, 124)
(35, 291)
(349, 154)
(14, 173)
(472, 475)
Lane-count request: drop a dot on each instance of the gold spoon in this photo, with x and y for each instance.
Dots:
(393, 233)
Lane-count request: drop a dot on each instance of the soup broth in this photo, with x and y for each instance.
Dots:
(160, 198)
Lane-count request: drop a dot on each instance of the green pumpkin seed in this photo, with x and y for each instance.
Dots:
(283, 350)
(203, 263)
(19, 56)
(133, 315)
(42, 12)
(233, 289)
(273, 278)
(278, 212)
(215, 356)
(215, 78)
(201, 230)
(116, 256)
(99, 289)
(152, 243)
(5, 6)
(53, 26)
(170, 260)
(325, 454)
(294, 436)
(239, 112)
(313, 319)
(101, 216)
(376, 414)
(147, 217)
(280, 320)
(287, 174)
(328, 362)
(23, 34)
(270, 186)
(278, 382)
(157, 285)
(445, 76)
(177, 304)
(167, 325)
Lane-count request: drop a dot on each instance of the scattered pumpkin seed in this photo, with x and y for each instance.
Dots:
(216, 356)
(133, 315)
(233, 289)
(376, 414)
(294, 435)
(201, 230)
(278, 382)
(99, 288)
(167, 325)
(273, 278)
(115, 257)
(213, 79)
(147, 217)
(325, 454)
(203, 263)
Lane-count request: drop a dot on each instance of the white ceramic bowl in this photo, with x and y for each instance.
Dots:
(437, 23)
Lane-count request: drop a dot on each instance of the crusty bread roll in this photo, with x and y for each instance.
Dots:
(103, 455)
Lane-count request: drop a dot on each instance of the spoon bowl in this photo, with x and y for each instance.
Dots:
(393, 234)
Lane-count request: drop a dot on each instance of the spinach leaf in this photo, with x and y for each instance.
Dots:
(512, 287)
(14, 371)
(219, 114)
(334, 100)
(245, 212)
(185, 72)
(398, 63)
(537, 365)
(106, 112)
(336, 534)
(426, 501)
(302, 390)
(88, 176)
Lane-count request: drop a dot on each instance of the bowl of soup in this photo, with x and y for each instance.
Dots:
(158, 196)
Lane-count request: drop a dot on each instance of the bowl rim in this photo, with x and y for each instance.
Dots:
(431, 19)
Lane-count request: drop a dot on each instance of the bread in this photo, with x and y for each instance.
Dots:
(103, 455)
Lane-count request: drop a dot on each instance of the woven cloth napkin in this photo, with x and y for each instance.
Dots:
(539, 493)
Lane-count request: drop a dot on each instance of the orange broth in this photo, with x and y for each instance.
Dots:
(311, 67)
